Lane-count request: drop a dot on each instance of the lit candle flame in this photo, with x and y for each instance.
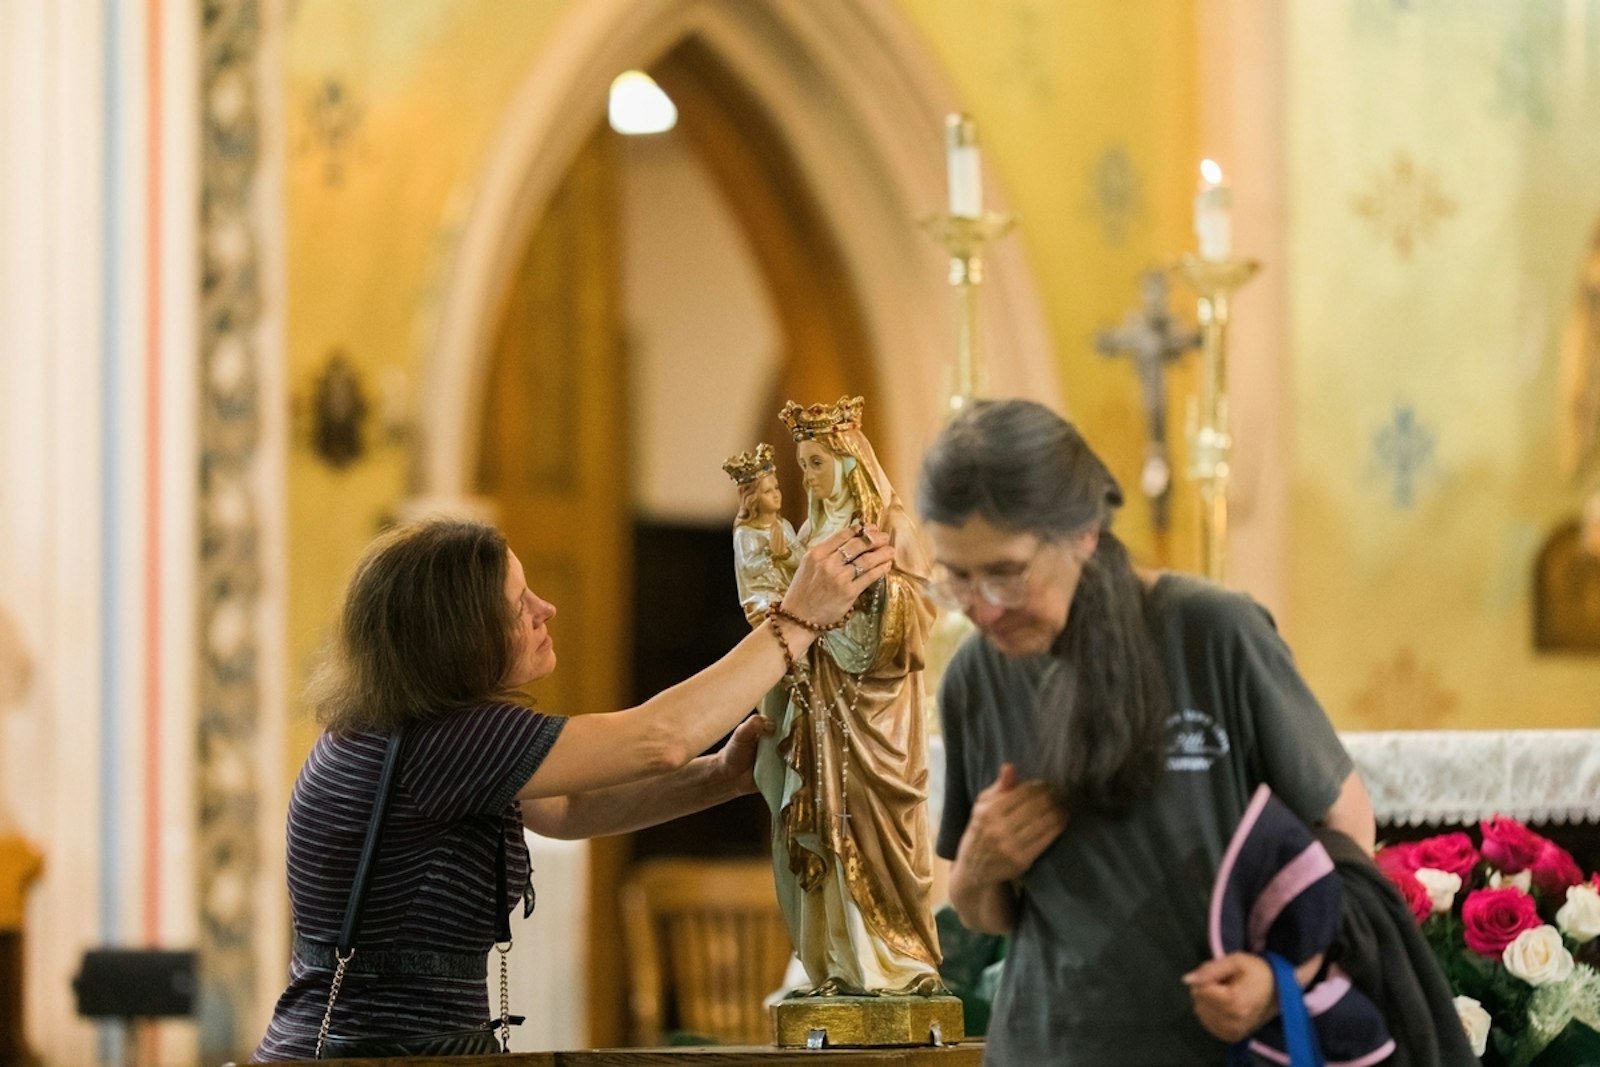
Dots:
(1211, 172)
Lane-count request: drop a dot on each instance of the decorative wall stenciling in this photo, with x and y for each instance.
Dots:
(1405, 204)
(1402, 694)
(333, 118)
(229, 534)
(1403, 448)
(1523, 73)
(1027, 67)
(339, 409)
(1380, 19)
(1116, 193)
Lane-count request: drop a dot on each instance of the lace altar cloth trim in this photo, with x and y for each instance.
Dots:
(1429, 777)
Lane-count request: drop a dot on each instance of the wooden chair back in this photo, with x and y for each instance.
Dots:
(706, 945)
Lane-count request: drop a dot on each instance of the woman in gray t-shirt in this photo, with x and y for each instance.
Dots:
(1103, 734)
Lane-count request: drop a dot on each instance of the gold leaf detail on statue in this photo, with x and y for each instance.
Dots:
(819, 419)
(882, 909)
(746, 467)
(1405, 204)
(1403, 695)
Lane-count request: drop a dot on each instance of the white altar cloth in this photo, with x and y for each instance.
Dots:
(1430, 777)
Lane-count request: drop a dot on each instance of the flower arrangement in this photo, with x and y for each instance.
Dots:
(1514, 926)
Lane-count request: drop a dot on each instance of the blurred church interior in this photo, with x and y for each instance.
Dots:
(275, 274)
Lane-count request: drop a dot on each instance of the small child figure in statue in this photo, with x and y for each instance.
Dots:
(764, 558)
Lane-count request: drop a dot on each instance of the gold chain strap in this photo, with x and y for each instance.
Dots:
(505, 999)
(333, 995)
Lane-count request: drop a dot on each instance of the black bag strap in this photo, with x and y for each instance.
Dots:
(369, 848)
(502, 932)
(369, 857)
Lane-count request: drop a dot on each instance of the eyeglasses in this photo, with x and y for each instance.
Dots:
(1000, 590)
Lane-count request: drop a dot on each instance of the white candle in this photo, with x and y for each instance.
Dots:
(1213, 213)
(966, 175)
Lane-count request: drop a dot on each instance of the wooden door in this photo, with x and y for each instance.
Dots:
(554, 457)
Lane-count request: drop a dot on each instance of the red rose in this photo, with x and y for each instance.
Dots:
(1417, 898)
(1555, 870)
(1509, 845)
(1492, 918)
(1452, 853)
(1397, 860)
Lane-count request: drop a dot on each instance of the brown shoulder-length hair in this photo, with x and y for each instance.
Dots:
(425, 628)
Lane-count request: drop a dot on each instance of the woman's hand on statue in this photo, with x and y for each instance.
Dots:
(835, 571)
(736, 761)
(1233, 996)
(1012, 823)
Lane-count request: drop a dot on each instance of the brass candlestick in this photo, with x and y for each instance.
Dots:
(964, 237)
(1210, 441)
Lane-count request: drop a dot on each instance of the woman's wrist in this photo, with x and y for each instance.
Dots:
(796, 636)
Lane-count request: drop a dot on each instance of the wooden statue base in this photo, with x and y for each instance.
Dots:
(866, 1022)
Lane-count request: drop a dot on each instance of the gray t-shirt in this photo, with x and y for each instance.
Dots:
(1114, 912)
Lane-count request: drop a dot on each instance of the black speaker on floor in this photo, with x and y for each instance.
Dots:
(135, 983)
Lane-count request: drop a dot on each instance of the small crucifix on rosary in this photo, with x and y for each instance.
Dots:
(1150, 337)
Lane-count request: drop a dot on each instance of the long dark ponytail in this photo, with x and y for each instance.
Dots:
(1102, 714)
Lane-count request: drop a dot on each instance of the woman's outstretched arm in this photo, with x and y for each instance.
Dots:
(667, 731)
(619, 809)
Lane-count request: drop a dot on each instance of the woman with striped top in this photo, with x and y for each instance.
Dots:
(437, 633)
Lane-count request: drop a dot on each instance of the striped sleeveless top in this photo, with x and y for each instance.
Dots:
(434, 883)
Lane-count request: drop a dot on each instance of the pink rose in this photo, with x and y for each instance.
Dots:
(1451, 853)
(1492, 918)
(1555, 870)
(1509, 845)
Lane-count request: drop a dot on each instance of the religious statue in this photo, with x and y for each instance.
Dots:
(845, 770)
(764, 556)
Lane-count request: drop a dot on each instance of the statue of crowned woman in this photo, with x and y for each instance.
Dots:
(844, 772)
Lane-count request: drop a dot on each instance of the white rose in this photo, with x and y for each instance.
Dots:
(1442, 887)
(1475, 1021)
(1538, 956)
(1522, 880)
(1579, 917)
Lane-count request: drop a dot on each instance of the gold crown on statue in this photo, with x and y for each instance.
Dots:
(745, 468)
(818, 419)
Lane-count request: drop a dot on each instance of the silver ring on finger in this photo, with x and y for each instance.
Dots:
(843, 554)
(857, 568)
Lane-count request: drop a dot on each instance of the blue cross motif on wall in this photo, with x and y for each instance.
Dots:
(1404, 447)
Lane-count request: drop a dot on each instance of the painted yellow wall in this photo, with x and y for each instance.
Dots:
(370, 219)
(1412, 597)
(1060, 91)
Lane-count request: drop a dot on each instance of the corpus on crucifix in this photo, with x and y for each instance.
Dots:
(1151, 338)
